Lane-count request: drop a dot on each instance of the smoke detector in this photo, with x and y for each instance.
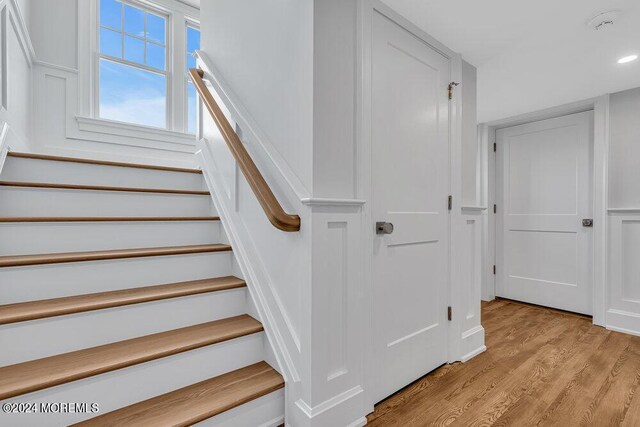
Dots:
(603, 20)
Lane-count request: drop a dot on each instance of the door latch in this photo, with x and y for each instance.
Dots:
(587, 222)
(384, 227)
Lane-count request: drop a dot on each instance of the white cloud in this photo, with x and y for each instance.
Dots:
(139, 110)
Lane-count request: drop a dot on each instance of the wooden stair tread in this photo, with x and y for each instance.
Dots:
(20, 312)
(55, 258)
(100, 188)
(55, 370)
(106, 218)
(100, 162)
(196, 402)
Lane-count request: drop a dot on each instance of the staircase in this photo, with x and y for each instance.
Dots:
(118, 288)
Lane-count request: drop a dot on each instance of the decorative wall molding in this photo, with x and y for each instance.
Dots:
(623, 309)
(4, 144)
(472, 343)
(15, 75)
(472, 209)
(624, 210)
(311, 201)
(22, 30)
(331, 412)
(110, 127)
(55, 66)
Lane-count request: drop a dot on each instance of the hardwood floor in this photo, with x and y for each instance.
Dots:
(541, 367)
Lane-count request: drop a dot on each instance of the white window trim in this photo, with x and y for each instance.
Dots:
(187, 78)
(175, 137)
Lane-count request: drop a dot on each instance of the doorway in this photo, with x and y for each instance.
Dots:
(544, 212)
(410, 157)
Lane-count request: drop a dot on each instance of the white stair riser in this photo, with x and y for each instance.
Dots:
(40, 238)
(126, 386)
(62, 334)
(28, 283)
(33, 170)
(266, 411)
(20, 201)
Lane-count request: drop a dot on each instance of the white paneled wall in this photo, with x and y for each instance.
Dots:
(473, 220)
(623, 312)
(16, 60)
(623, 266)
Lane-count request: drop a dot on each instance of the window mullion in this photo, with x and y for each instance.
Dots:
(179, 52)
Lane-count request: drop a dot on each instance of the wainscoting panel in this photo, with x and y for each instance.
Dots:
(472, 331)
(623, 312)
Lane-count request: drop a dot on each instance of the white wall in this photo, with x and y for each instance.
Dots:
(334, 108)
(470, 164)
(624, 151)
(54, 31)
(264, 50)
(16, 59)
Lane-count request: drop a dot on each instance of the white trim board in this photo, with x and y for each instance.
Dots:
(22, 30)
(4, 144)
(487, 132)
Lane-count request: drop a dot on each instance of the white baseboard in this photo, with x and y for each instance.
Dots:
(623, 321)
(472, 343)
(331, 411)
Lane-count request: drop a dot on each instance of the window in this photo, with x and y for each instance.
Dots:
(193, 44)
(132, 64)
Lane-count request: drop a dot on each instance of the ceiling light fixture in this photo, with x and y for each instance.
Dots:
(627, 59)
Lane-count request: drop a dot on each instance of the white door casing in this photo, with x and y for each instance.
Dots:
(410, 184)
(543, 191)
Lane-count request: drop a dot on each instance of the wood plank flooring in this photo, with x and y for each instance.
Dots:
(542, 367)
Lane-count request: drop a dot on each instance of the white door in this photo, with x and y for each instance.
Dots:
(544, 181)
(410, 168)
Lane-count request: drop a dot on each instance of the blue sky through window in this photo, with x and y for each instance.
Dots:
(129, 94)
(135, 36)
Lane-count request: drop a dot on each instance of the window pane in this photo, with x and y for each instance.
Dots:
(155, 56)
(110, 43)
(191, 62)
(191, 108)
(111, 13)
(133, 49)
(155, 28)
(133, 21)
(193, 39)
(132, 95)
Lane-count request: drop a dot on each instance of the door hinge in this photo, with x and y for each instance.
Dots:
(451, 86)
(495, 208)
(449, 313)
(495, 147)
(450, 202)
(494, 269)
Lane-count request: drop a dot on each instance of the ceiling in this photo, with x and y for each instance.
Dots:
(532, 55)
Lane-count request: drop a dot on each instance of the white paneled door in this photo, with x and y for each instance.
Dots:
(544, 192)
(410, 169)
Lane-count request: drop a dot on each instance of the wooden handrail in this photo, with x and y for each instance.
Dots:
(272, 208)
